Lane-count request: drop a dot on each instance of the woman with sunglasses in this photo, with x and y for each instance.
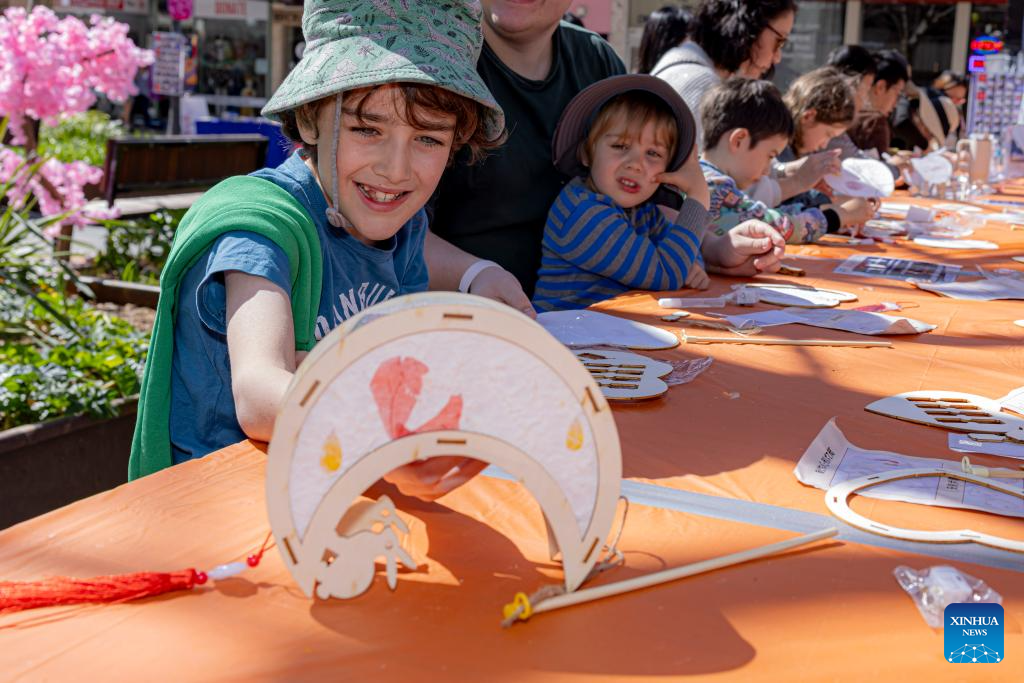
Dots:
(741, 38)
(727, 38)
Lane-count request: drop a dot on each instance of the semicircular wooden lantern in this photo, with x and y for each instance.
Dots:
(428, 375)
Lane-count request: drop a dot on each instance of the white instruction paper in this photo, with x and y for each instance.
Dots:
(831, 460)
(1013, 401)
(591, 328)
(858, 322)
(897, 268)
(988, 289)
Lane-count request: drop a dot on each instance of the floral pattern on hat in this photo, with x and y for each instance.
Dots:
(361, 43)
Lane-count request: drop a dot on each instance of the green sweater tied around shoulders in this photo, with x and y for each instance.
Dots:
(240, 203)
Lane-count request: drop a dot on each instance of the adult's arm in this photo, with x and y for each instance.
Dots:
(446, 265)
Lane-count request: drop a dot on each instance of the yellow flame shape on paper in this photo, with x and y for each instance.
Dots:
(331, 459)
(574, 439)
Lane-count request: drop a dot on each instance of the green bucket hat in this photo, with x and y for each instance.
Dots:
(359, 43)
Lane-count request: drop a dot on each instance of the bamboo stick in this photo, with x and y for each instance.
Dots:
(636, 583)
(785, 342)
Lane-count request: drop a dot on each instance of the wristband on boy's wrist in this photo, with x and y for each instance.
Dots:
(478, 267)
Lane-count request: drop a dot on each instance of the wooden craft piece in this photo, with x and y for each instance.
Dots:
(990, 472)
(952, 410)
(837, 500)
(523, 607)
(691, 339)
(591, 328)
(434, 375)
(803, 296)
(625, 376)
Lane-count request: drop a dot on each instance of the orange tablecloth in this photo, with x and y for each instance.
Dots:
(829, 613)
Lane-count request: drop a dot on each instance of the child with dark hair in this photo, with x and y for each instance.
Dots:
(746, 125)
(871, 128)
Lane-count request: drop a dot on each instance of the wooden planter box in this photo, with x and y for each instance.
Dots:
(121, 292)
(47, 465)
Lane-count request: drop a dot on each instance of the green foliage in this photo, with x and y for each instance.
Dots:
(137, 249)
(27, 263)
(59, 356)
(69, 373)
(82, 137)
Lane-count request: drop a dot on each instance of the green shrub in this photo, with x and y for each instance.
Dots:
(60, 372)
(136, 248)
(82, 137)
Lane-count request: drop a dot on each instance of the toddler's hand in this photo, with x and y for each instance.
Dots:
(688, 178)
(750, 248)
(697, 278)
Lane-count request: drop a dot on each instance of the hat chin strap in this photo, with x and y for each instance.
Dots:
(334, 215)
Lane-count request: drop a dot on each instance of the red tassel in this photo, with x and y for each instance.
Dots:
(63, 590)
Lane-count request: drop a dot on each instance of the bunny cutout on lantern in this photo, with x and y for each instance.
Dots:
(368, 531)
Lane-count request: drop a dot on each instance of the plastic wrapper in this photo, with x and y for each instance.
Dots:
(933, 588)
(685, 370)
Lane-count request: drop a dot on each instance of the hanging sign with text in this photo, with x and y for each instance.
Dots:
(169, 67)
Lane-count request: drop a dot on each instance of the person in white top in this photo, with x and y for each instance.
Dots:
(740, 38)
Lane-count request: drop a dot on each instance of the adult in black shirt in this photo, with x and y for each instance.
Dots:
(534, 64)
(496, 209)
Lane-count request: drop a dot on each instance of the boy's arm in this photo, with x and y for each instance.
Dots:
(598, 239)
(446, 265)
(261, 349)
(807, 224)
(739, 207)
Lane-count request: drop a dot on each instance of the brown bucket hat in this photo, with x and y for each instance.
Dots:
(579, 114)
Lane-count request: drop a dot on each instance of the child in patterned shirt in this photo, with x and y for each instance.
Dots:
(746, 125)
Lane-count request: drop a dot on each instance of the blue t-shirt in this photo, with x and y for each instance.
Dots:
(355, 276)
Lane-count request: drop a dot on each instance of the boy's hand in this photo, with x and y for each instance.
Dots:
(688, 178)
(501, 285)
(697, 278)
(432, 478)
(808, 171)
(856, 211)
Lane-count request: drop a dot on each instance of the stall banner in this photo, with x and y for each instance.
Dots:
(126, 6)
(253, 10)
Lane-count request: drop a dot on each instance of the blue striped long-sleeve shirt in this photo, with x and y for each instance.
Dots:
(594, 249)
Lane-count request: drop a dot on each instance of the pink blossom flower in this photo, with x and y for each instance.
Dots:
(53, 68)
